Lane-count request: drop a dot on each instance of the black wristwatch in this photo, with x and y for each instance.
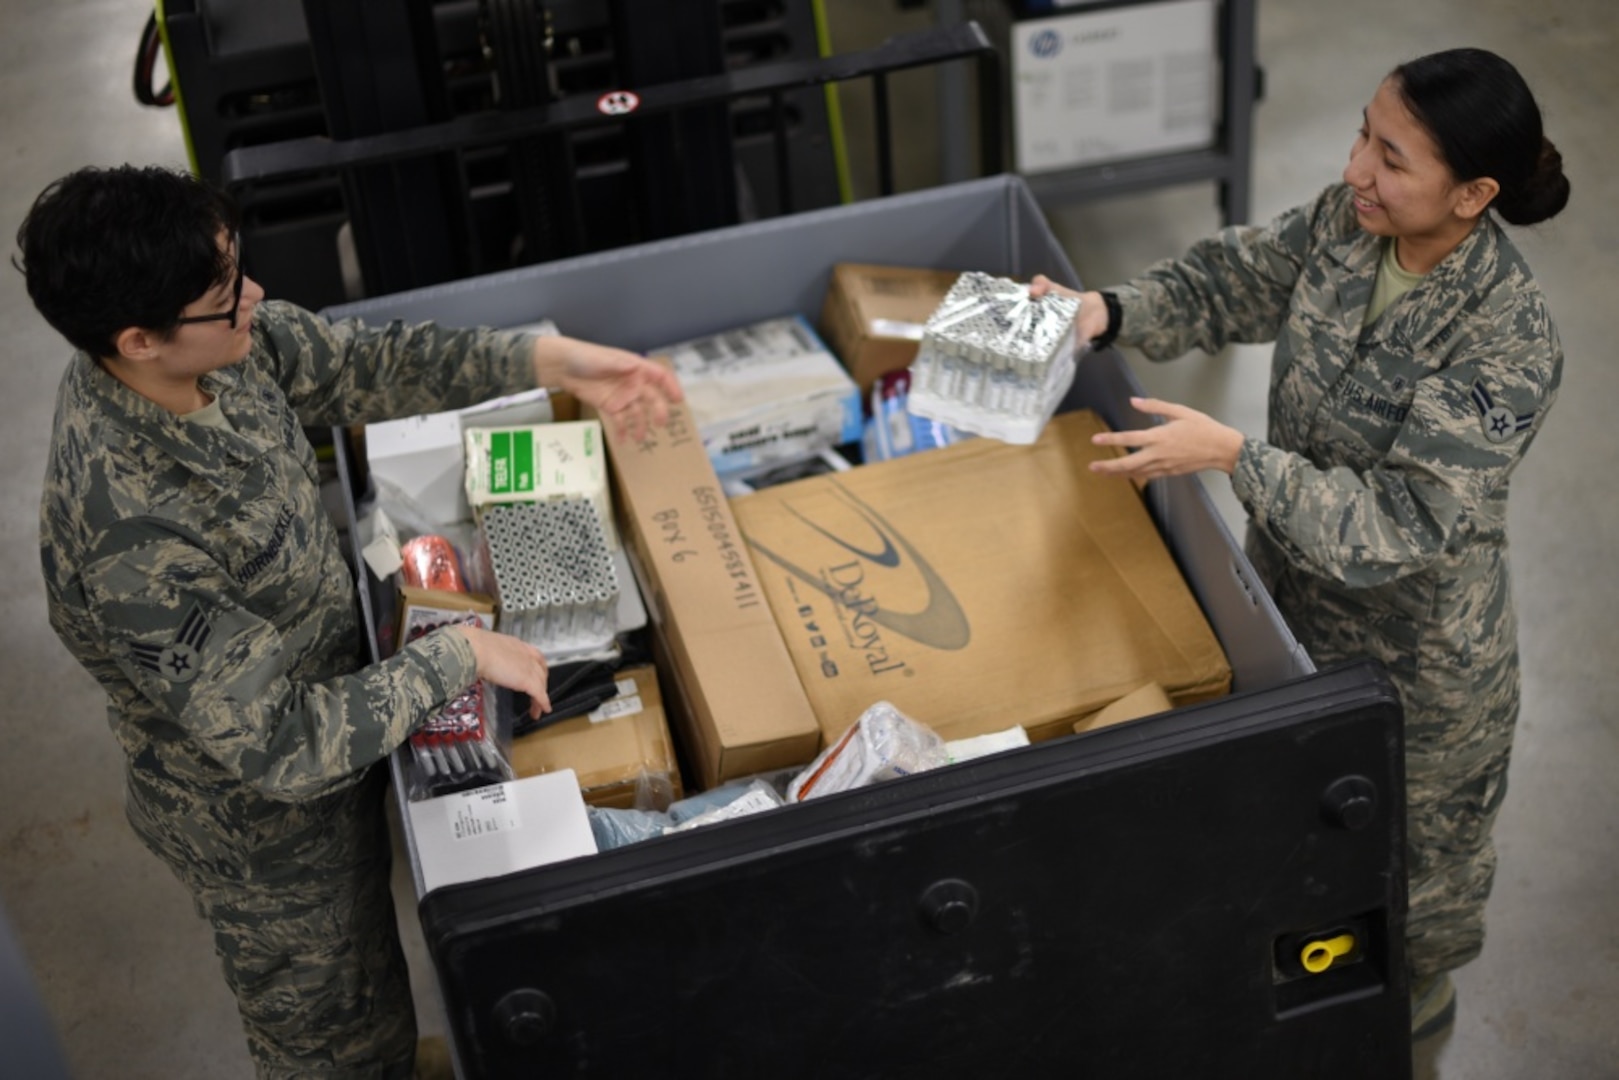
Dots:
(1115, 314)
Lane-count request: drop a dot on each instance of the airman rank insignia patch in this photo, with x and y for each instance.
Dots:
(1500, 423)
(180, 660)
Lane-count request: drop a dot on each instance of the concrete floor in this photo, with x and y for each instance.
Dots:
(127, 970)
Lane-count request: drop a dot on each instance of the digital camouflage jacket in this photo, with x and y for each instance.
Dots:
(1378, 498)
(195, 573)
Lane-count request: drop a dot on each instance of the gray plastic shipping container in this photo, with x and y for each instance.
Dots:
(1131, 902)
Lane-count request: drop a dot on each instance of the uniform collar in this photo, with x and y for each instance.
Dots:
(1357, 255)
(205, 451)
(1415, 318)
(1451, 286)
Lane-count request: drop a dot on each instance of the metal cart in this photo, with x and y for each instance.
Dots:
(1131, 902)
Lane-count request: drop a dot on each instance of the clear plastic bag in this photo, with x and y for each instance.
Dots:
(883, 744)
(616, 828)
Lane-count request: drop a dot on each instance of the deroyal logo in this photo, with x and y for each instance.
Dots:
(870, 564)
(1046, 44)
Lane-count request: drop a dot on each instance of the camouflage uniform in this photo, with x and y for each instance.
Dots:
(1378, 501)
(195, 573)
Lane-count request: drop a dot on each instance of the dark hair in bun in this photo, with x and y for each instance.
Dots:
(1484, 119)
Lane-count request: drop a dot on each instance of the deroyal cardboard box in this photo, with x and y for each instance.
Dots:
(977, 586)
(873, 315)
(614, 749)
(736, 697)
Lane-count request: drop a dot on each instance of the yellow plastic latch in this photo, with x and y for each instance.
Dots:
(1318, 956)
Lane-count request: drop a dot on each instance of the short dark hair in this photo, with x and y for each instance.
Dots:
(1486, 122)
(107, 249)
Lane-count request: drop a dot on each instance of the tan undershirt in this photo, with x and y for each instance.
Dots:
(1393, 282)
(210, 415)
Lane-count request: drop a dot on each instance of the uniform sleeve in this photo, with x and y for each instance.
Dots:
(168, 616)
(1232, 287)
(1468, 427)
(347, 372)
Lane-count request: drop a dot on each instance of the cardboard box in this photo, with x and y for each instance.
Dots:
(535, 462)
(610, 749)
(735, 696)
(764, 393)
(978, 586)
(421, 610)
(873, 315)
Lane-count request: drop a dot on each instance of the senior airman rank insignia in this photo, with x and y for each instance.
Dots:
(1500, 423)
(180, 660)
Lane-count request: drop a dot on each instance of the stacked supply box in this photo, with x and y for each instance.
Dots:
(539, 462)
(620, 751)
(873, 315)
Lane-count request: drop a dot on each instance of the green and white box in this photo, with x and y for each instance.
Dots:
(531, 463)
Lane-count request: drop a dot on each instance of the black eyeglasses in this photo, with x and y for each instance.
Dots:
(236, 294)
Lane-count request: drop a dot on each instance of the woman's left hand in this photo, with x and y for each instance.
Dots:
(1188, 442)
(631, 393)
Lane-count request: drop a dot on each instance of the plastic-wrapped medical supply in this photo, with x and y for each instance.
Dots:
(738, 798)
(994, 360)
(893, 430)
(757, 796)
(555, 578)
(882, 745)
(456, 748)
(430, 562)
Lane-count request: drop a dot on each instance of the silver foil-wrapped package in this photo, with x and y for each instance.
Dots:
(993, 359)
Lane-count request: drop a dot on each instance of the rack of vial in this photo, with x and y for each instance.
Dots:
(994, 360)
(556, 580)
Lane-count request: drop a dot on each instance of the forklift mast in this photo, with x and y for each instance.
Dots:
(249, 73)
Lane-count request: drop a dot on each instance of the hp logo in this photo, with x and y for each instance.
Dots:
(1046, 44)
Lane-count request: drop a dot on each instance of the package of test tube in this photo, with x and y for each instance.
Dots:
(994, 360)
(456, 748)
(553, 574)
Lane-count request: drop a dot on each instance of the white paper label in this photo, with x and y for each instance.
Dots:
(910, 331)
(627, 703)
(479, 813)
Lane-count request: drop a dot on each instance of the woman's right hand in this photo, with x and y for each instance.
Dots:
(1091, 321)
(513, 663)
